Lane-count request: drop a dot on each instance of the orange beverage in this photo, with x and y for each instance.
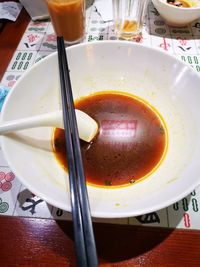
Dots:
(68, 18)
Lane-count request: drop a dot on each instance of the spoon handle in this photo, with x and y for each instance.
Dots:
(87, 126)
(47, 119)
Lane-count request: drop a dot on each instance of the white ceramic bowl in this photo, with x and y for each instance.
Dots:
(176, 16)
(163, 81)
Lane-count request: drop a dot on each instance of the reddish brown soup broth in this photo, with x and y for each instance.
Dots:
(130, 145)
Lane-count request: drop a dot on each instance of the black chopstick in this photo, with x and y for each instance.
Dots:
(83, 231)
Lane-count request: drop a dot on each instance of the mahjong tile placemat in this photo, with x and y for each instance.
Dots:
(37, 42)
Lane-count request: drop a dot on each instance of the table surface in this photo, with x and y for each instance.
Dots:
(45, 242)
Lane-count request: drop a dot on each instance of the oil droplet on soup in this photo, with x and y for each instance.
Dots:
(130, 145)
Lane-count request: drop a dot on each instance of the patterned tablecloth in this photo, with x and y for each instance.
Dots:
(39, 41)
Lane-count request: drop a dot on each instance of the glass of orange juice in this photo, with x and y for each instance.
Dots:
(129, 18)
(68, 19)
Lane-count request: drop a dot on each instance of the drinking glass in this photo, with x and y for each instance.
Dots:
(129, 18)
(68, 19)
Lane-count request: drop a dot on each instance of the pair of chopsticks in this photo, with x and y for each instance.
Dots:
(83, 231)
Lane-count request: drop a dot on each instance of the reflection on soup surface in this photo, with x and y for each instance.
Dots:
(130, 145)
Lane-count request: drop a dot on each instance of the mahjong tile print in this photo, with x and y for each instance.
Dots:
(22, 60)
(39, 41)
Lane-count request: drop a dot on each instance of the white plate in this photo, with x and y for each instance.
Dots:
(162, 80)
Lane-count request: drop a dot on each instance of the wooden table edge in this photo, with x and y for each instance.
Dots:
(50, 242)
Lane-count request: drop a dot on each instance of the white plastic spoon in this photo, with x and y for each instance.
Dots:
(87, 127)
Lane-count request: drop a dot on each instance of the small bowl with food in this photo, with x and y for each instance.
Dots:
(178, 13)
(146, 153)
